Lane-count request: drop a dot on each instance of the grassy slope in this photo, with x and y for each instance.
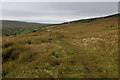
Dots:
(9, 27)
(77, 50)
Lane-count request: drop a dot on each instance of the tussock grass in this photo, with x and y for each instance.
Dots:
(26, 57)
(12, 52)
(6, 45)
(85, 50)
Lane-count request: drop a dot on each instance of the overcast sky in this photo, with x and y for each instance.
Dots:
(60, 0)
(56, 12)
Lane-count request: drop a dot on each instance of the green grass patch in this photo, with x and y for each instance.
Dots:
(58, 53)
(28, 30)
(12, 53)
(26, 57)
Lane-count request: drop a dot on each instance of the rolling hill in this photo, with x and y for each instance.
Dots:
(18, 27)
(87, 49)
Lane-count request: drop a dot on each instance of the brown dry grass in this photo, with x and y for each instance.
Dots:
(77, 50)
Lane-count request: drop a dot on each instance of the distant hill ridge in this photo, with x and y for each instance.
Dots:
(91, 19)
(18, 27)
(9, 27)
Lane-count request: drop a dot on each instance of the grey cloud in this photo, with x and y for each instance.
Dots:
(63, 10)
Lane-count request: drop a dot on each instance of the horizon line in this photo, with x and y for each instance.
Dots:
(32, 21)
